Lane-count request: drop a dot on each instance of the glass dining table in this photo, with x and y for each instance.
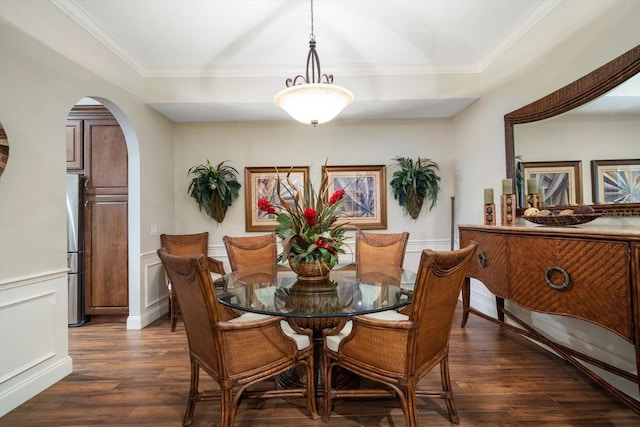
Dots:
(316, 304)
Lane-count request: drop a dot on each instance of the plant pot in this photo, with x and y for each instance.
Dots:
(413, 204)
(218, 209)
(311, 270)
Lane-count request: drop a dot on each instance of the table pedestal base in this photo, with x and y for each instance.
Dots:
(297, 378)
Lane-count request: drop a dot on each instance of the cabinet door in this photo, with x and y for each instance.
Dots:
(106, 164)
(75, 141)
(490, 263)
(106, 195)
(106, 257)
(586, 279)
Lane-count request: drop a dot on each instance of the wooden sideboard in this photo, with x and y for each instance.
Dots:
(588, 273)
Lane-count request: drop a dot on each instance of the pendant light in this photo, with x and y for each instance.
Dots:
(313, 98)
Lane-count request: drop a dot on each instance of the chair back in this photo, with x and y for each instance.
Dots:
(186, 244)
(381, 248)
(192, 282)
(435, 296)
(250, 251)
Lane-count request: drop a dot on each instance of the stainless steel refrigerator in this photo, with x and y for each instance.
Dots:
(75, 252)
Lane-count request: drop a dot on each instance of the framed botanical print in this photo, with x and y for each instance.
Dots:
(615, 181)
(262, 183)
(560, 183)
(365, 194)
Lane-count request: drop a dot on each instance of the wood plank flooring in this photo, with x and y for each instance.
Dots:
(141, 378)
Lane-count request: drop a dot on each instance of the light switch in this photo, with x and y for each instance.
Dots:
(154, 229)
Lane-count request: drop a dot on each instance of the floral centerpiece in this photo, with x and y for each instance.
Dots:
(311, 238)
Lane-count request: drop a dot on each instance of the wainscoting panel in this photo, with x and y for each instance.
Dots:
(34, 353)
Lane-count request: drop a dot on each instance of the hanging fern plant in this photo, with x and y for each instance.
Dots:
(214, 188)
(415, 182)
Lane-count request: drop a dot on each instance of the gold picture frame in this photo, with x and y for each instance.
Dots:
(261, 183)
(365, 204)
(615, 181)
(560, 182)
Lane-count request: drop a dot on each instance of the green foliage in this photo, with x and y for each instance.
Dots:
(414, 182)
(214, 188)
(307, 224)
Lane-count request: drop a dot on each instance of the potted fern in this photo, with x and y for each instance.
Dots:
(214, 188)
(414, 182)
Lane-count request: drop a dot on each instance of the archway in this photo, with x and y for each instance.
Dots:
(132, 209)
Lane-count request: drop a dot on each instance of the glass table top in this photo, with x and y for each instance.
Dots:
(362, 289)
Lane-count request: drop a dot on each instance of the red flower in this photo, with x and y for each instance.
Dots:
(337, 195)
(311, 216)
(265, 206)
(322, 243)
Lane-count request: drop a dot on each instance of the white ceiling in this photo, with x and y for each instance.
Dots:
(256, 39)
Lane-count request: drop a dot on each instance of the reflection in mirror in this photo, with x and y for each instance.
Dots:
(606, 128)
(595, 118)
(4, 149)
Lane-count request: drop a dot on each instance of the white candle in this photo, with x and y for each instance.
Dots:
(507, 186)
(488, 196)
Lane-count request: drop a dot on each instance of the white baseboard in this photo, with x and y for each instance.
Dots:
(34, 384)
(149, 316)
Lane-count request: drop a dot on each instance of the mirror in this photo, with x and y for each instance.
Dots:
(569, 99)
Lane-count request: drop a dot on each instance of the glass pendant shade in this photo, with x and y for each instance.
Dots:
(313, 103)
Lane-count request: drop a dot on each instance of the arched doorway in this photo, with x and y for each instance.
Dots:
(111, 208)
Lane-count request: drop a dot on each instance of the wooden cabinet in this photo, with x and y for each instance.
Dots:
(105, 168)
(106, 260)
(585, 273)
(75, 149)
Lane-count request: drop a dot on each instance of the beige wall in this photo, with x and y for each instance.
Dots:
(293, 144)
(38, 87)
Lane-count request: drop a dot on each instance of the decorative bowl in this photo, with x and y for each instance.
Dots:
(561, 220)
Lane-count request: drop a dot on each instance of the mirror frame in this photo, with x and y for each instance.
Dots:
(573, 95)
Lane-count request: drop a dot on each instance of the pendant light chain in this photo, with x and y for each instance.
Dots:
(312, 36)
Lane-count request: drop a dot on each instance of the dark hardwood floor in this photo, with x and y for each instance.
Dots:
(141, 378)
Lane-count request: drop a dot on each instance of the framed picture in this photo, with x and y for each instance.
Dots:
(261, 183)
(615, 181)
(560, 183)
(365, 204)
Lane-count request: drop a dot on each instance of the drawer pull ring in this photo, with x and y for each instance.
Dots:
(564, 285)
(482, 259)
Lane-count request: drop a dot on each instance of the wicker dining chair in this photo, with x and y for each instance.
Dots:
(235, 351)
(379, 248)
(397, 350)
(186, 245)
(249, 251)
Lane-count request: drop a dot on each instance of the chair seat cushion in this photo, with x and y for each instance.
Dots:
(333, 341)
(302, 341)
(389, 315)
(250, 317)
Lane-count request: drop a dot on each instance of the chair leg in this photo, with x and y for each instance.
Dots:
(226, 411)
(447, 393)
(410, 408)
(174, 309)
(326, 373)
(193, 394)
(311, 388)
